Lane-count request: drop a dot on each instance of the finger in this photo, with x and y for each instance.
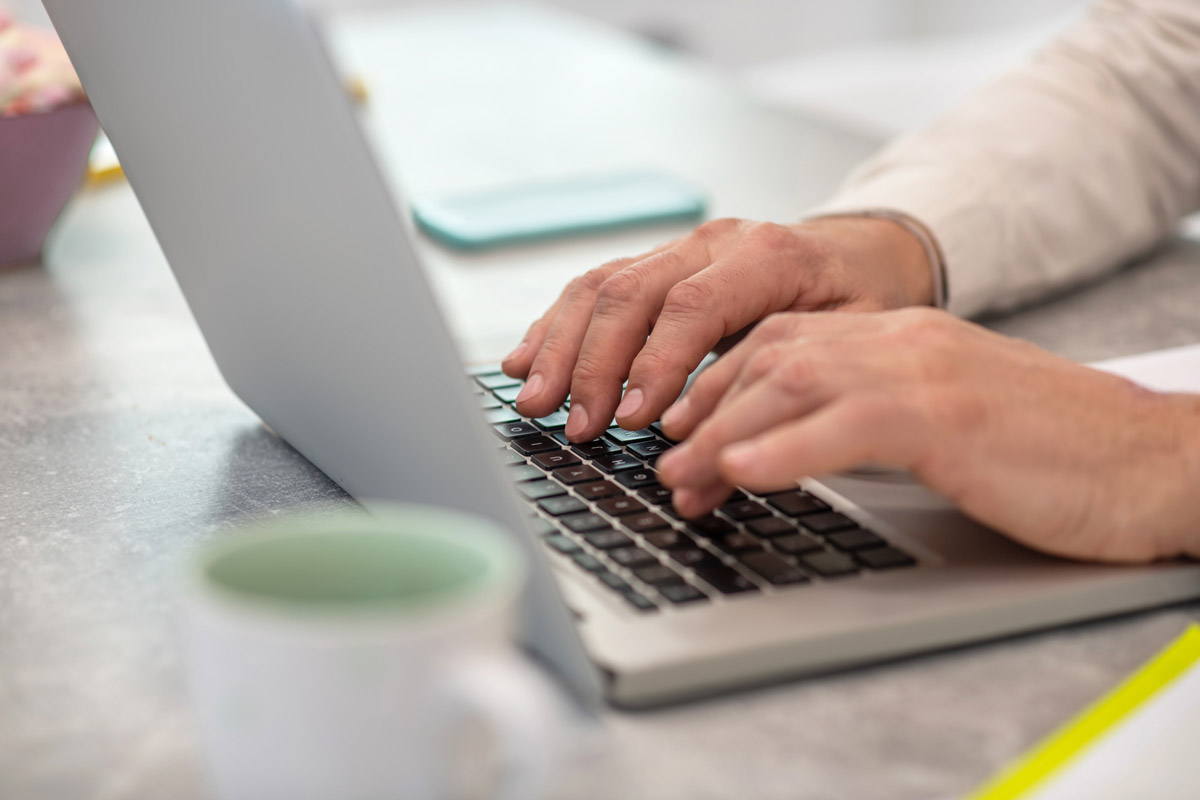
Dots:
(693, 502)
(795, 388)
(551, 348)
(696, 314)
(769, 342)
(626, 306)
(839, 436)
(517, 363)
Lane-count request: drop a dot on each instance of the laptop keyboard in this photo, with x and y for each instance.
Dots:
(599, 505)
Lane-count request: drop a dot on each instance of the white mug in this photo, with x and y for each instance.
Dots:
(340, 657)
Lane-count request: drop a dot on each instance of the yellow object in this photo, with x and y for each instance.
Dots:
(1057, 750)
(103, 165)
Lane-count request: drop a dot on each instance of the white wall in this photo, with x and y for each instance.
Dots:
(741, 32)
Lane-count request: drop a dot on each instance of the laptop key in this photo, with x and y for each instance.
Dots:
(650, 449)
(827, 522)
(631, 557)
(576, 474)
(829, 564)
(613, 581)
(682, 593)
(590, 563)
(856, 539)
(657, 575)
(542, 527)
(738, 543)
(552, 422)
(725, 579)
(523, 472)
(771, 526)
(885, 558)
(514, 430)
(636, 478)
(501, 416)
(562, 544)
(489, 403)
(640, 601)
(693, 557)
(622, 436)
(583, 523)
(669, 539)
(616, 462)
(709, 525)
(658, 495)
(536, 490)
(797, 503)
(621, 505)
(775, 569)
(594, 448)
(796, 545)
(657, 428)
(535, 444)
(595, 490)
(555, 459)
(565, 504)
(743, 510)
(607, 540)
(496, 380)
(643, 523)
(508, 393)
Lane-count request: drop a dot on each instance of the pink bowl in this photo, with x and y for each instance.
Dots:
(42, 159)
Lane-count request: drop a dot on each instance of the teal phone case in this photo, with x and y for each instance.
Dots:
(533, 211)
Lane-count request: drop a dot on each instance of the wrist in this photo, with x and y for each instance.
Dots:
(889, 251)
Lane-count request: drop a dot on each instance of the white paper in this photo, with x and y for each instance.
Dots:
(1151, 754)
(1176, 369)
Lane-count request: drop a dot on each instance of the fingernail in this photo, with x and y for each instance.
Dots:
(630, 403)
(517, 351)
(666, 462)
(577, 421)
(532, 388)
(741, 456)
(675, 414)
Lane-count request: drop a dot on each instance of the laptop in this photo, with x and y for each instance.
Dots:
(307, 289)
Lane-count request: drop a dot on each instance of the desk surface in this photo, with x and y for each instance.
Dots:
(123, 450)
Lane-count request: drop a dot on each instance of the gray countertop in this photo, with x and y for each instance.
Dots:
(122, 450)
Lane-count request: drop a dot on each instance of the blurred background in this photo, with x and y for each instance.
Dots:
(884, 65)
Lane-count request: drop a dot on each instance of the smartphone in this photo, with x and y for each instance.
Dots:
(532, 211)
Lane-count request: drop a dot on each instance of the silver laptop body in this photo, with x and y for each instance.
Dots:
(304, 282)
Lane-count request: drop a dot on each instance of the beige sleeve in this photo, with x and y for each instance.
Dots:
(1077, 162)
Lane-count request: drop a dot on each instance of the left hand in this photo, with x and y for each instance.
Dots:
(1066, 459)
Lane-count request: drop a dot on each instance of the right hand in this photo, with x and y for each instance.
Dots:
(653, 318)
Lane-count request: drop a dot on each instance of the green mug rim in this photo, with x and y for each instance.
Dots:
(503, 574)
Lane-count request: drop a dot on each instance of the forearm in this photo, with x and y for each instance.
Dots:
(1070, 166)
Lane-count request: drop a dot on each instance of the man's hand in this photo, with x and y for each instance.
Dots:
(1063, 458)
(653, 318)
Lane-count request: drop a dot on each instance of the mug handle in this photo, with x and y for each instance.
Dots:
(525, 713)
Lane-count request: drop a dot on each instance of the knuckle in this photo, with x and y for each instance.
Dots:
(689, 297)
(772, 236)
(716, 228)
(621, 288)
(586, 284)
(925, 324)
(794, 373)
